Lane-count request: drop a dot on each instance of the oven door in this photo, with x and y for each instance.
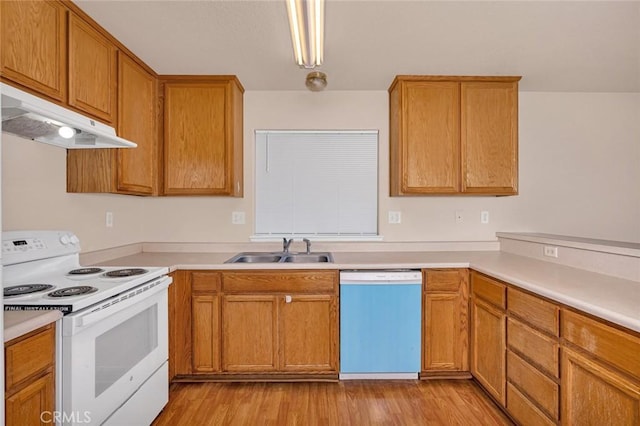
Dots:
(108, 354)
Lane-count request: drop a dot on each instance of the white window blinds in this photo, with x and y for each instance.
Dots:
(317, 183)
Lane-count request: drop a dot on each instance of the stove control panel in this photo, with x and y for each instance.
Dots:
(24, 246)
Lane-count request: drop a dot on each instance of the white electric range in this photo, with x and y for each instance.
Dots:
(112, 345)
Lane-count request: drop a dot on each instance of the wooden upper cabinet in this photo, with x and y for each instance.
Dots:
(92, 71)
(137, 121)
(124, 170)
(34, 53)
(489, 123)
(203, 136)
(426, 150)
(453, 135)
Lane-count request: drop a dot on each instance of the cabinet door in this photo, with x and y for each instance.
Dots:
(180, 324)
(425, 143)
(308, 333)
(92, 71)
(33, 405)
(137, 168)
(34, 49)
(250, 333)
(445, 321)
(489, 136)
(202, 153)
(206, 332)
(488, 344)
(595, 395)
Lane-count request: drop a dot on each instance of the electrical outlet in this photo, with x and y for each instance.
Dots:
(484, 216)
(459, 216)
(108, 220)
(550, 251)
(237, 218)
(395, 217)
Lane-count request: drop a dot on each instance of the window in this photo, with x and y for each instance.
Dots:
(317, 183)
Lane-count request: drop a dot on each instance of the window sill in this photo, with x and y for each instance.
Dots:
(314, 237)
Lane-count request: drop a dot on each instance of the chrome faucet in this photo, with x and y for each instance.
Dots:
(285, 244)
(308, 242)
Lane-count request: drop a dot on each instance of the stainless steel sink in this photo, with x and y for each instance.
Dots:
(255, 258)
(308, 258)
(281, 257)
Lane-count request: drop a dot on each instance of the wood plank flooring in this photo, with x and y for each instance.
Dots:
(407, 402)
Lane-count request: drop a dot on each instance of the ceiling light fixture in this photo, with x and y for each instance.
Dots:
(316, 81)
(306, 20)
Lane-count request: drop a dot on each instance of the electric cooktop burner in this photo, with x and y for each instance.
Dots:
(72, 291)
(129, 272)
(85, 271)
(20, 290)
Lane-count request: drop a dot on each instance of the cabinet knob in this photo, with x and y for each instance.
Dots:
(287, 299)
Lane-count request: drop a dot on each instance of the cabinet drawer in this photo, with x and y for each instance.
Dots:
(281, 282)
(610, 344)
(533, 345)
(488, 289)
(29, 357)
(205, 281)
(523, 410)
(539, 388)
(444, 280)
(534, 310)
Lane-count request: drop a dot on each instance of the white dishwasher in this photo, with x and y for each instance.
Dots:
(380, 324)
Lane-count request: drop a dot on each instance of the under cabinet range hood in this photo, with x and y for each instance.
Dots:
(31, 117)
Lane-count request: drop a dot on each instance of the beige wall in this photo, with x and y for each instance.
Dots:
(34, 197)
(578, 176)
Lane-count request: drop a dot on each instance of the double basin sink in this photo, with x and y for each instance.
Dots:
(281, 257)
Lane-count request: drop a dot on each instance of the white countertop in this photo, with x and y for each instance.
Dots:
(18, 323)
(613, 299)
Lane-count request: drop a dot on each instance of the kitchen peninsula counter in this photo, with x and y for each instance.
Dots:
(604, 296)
(19, 323)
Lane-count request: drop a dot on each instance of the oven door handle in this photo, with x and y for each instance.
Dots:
(133, 297)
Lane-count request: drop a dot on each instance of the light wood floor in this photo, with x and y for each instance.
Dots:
(437, 402)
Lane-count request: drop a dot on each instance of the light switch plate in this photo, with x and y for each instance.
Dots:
(484, 216)
(237, 218)
(395, 217)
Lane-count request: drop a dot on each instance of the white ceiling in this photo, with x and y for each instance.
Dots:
(577, 46)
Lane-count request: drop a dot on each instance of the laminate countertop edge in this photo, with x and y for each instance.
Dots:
(613, 299)
(19, 323)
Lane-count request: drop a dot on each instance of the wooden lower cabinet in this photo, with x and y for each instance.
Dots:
(308, 331)
(250, 331)
(488, 335)
(247, 324)
(280, 322)
(488, 340)
(445, 314)
(594, 394)
(562, 366)
(205, 321)
(180, 336)
(600, 371)
(30, 378)
(206, 332)
(33, 405)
